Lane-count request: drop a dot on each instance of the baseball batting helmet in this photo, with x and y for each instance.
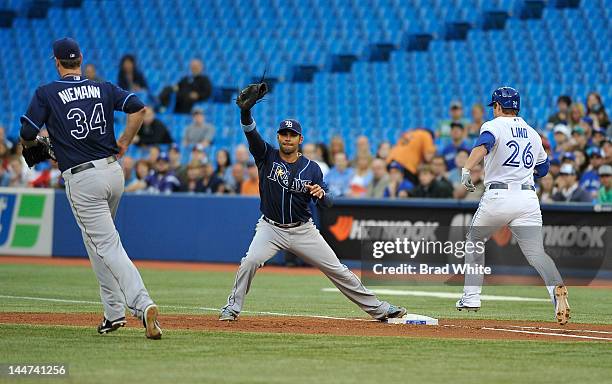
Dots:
(507, 97)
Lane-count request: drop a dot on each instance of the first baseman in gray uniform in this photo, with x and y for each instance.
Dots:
(287, 183)
(78, 114)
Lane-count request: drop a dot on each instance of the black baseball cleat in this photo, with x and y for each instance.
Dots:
(109, 326)
(151, 325)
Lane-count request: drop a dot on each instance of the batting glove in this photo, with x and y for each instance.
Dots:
(466, 180)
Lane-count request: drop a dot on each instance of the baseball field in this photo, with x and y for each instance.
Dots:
(296, 329)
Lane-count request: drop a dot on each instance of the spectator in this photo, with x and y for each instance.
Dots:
(92, 74)
(238, 178)
(605, 191)
(153, 131)
(576, 113)
(250, 187)
(338, 178)
(562, 136)
(127, 164)
(545, 191)
(580, 162)
(473, 128)
(456, 116)
(589, 180)
(199, 131)
(163, 180)
(139, 182)
(242, 157)
(174, 154)
(568, 158)
(398, 187)
(383, 150)
(193, 178)
(428, 187)
(569, 190)
(579, 138)
(191, 89)
(362, 175)
(438, 166)
(478, 180)
(413, 148)
(210, 182)
(310, 151)
(153, 155)
(18, 173)
(198, 153)
(606, 145)
(336, 146)
(5, 177)
(3, 140)
(596, 110)
(224, 163)
(323, 154)
(457, 141)
(555, 167)
(380, 179)
(598, 137)
(460, 158)
(561, 116)
(130, 77)
(362, 147)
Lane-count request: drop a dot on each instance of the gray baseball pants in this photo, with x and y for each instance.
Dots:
(94, 196)
(307, 243)
(520, 209)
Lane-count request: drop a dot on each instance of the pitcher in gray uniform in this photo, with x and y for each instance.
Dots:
(78, 114)
(288, 181)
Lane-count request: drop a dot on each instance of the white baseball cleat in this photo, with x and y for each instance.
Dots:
(463, 305)
(562, 308)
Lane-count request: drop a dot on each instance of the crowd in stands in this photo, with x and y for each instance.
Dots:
(423, 163)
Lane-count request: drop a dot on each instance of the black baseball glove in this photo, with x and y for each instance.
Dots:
(39, 152)
(250, 95)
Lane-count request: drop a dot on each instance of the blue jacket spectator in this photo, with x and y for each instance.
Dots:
(162, 180)
(338, 179)
(458, 142)
(569, 190)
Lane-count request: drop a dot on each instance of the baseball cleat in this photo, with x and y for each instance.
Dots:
(393, 312)
(227, 315)
(149, 320)
(562, 308)
(108, 326)
(462, 306)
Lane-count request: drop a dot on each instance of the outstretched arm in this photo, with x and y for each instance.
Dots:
(257, 145)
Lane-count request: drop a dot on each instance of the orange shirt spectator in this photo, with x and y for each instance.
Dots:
(413, 148)
(250, 186)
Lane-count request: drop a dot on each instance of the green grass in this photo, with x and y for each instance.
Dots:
(201, 357)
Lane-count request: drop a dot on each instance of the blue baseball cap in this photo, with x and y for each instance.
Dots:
(290, 125)
(395, 165)
(163, 157)
(568, 155)
(66, 49)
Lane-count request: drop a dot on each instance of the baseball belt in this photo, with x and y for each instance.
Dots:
(524, 187)
(85, 166)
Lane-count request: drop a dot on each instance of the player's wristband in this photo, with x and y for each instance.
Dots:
(465, 171)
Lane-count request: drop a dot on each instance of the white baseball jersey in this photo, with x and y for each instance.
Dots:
(517, 150)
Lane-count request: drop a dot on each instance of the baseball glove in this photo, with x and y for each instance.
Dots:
(41, 151)
(250, 95)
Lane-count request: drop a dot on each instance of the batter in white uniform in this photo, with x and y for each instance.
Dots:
(513, 155)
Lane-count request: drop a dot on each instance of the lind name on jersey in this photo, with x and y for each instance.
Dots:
(79, 93)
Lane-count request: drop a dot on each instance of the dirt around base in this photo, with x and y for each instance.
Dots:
(455, 329)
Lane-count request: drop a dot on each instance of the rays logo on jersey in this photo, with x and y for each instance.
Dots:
(280, 174)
